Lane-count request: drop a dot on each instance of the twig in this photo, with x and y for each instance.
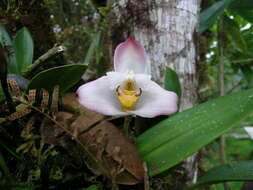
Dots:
(222, 88)
(242, 60)
(234, 87)
(146, 179)
(39, 62)
(127, 121)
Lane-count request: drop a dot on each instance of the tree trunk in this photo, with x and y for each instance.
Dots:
(168, 31)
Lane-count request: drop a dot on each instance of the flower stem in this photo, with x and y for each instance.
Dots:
(127, 121)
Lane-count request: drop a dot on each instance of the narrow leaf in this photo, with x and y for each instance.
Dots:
(174, 139)
(92, 187)
(242, 5)
(247, 15)
(1, 93)
(23, 47)
(5, 40)
(9, 149)
(232, 29)
(3, 165)
(64, 76)
(4, 36)
(93, 47)
(241, 171)
(211, 14)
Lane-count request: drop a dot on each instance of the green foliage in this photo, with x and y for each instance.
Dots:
(244, 8)
(9, 149)
(232, 29)
(241, 171)
(167, 143)
(4, 36)
(242, 5)
(93, 49)
(23, 48)
(5, 40)
(1, 92)
(248, 74)
(11, 184)
(209, 16)
(172, 82)
(92, 187)
(64, 76)
(3, 165)
(19, 59)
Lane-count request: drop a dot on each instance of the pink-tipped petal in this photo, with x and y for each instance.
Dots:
(98, 96)
(156, 101)
(130, 56)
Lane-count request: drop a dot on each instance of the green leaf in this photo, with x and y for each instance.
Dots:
(3, 165)
(241, 171)
(93, 47)
(242, 5)
(248, 74)
(174, 139)
(9, 149)
(247, 15)
(211, 14)
(92, 187)
(4, 36)
(171, 82)
(232, 29)
(11, 59)
(64, 76)
(23, 47)
(1, 92)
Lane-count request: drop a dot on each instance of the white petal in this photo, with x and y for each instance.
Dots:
(130, 56)
(249, 130)
(156, 101)
(142, 81)
(116, 79)
(98, 96)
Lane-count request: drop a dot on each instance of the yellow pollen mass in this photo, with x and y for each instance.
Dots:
(129, 85)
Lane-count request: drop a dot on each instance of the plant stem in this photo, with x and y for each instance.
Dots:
(127, 121)
(39, 62)
(221, 38)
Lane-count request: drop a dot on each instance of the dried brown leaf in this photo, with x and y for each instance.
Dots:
(55, 99)
(19, 114)
(25, 147)
(27, 131)
(54, 134)
(113, 154)
(44, 100)
(70, 103)
(32, 96)
(86, 120)
(14, 87)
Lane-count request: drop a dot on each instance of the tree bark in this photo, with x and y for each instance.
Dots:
(168, 31)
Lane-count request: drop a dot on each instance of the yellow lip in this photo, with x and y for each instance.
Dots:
(128, 98)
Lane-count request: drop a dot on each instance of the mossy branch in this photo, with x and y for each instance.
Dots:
(40, 61)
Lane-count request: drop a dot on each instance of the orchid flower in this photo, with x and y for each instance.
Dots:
(129, 89)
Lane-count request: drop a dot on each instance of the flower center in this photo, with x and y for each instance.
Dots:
(128, 95)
